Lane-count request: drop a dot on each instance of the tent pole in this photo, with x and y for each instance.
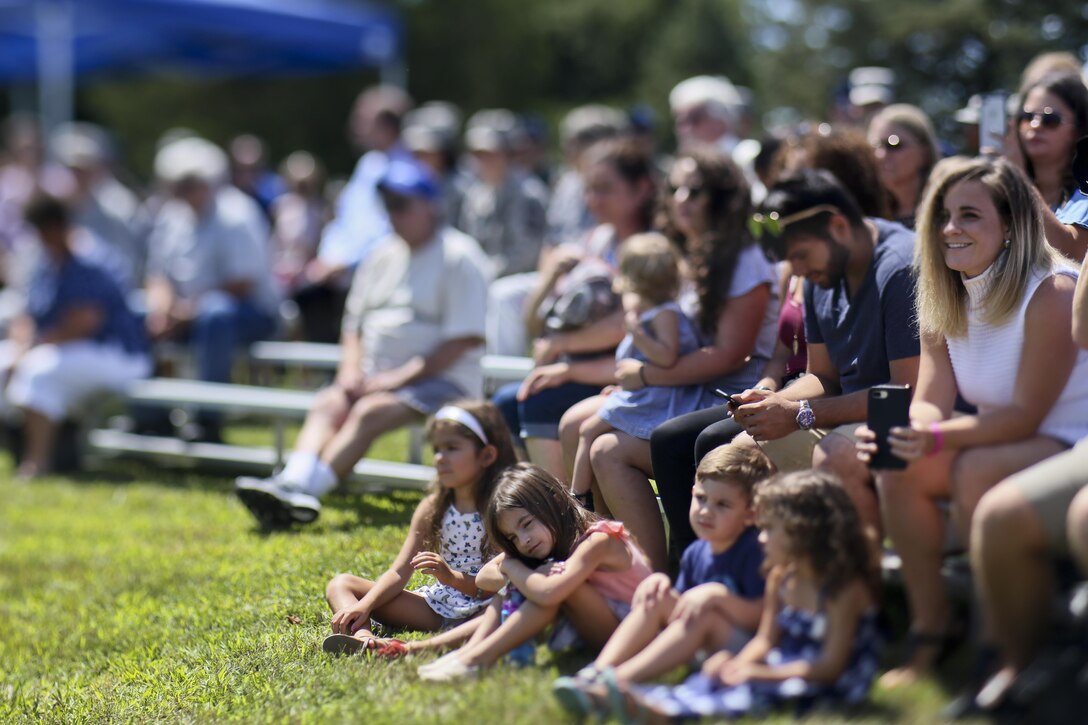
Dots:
(56, 63)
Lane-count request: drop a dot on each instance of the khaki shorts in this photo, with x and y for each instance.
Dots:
(794, 452)
(1049, 486)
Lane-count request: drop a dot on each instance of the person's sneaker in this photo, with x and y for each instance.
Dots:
(275, 503)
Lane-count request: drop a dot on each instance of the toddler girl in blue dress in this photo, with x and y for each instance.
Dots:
(658, 332)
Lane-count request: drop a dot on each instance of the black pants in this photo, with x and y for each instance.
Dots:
(676, 447)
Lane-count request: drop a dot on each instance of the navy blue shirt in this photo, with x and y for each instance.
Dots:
(78, 283)
(738, 567)
(878, 325)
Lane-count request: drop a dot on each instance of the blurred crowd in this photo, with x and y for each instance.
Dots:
(792, 271)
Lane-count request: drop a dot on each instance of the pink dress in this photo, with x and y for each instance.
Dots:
(618, 587)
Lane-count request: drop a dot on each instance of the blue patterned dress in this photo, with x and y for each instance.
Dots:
(461, 537)
(638, 412)
(802, 638)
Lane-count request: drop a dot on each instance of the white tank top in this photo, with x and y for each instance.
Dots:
(987, 359)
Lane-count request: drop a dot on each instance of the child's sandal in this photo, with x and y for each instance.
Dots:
(572, 692)
(345, 644)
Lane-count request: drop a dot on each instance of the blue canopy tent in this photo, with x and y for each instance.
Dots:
(53, 42)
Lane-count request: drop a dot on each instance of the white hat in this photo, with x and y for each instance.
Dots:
(189, 158)
(716, 92)
(80, 145)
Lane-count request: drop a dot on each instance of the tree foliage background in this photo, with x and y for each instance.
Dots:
(546, 56)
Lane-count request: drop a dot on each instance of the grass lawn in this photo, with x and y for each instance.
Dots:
(140, 594)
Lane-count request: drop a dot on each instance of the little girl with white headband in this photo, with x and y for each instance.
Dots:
(446, 540)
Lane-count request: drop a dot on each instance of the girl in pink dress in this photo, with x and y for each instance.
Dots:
(567, 564)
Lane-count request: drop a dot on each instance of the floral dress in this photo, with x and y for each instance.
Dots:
(461, 537)
(802, 638)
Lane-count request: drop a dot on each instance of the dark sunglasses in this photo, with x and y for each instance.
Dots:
(693, 192)
(1047, 118)
(892, 143)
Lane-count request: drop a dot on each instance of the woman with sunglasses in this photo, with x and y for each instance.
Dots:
(1053, 115)
(730, 299)
(906, 149)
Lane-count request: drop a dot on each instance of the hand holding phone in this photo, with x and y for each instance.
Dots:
(730, 404)
(889, 407)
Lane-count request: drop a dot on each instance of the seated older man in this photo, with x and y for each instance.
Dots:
(412, 340)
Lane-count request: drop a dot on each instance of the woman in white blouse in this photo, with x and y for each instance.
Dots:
(994, 311)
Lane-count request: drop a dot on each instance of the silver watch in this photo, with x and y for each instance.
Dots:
(805, 417)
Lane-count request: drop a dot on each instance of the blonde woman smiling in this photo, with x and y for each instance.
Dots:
(994, 312)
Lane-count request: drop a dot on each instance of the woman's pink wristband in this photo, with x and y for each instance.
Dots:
(938, 438)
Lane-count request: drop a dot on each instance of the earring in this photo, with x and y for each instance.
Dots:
(1006, 244)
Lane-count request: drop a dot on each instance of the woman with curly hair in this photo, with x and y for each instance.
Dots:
(818, 641)
(730, 299)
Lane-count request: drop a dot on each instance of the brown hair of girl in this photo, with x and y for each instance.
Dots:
(498, 435)
(529, 487)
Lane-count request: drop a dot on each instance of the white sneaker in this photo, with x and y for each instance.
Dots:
(276, 502)
(448, 670)
(437, 664)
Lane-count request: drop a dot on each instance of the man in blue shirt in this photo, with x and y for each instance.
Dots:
(76, 338)
(859, 322)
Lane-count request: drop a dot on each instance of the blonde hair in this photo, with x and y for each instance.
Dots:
(941, 299)
(650, 266)
(738, 465)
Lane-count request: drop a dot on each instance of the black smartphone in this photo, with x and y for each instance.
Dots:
(889, 407)
(728, 397)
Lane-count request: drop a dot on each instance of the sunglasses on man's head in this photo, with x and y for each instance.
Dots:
(893, 142)
(1047, 118)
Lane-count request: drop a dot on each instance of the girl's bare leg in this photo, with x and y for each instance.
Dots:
(637, 630)
(675, 646)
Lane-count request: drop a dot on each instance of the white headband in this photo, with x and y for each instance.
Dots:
(465, 418)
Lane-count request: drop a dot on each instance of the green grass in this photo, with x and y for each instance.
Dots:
(140, 594)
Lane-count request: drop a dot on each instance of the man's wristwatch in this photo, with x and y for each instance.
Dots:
(805, 417)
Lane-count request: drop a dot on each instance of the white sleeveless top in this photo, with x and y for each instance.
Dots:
(987, 359)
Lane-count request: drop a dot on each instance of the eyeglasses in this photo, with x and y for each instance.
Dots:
(1047, 118)
(892, 143)
(690, 192)
(774, 224)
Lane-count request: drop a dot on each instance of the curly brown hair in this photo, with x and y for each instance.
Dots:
(821, 524)
(529, 487)
(729, 207)
(498, 435)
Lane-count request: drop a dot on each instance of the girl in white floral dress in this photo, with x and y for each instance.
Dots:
(446, 539)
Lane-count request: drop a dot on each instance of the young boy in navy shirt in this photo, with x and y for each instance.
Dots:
(718, 598)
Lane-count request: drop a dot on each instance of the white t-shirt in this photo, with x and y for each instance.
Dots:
(404, 303)
(229, 243)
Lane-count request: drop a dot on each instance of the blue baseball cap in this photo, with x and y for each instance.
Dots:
(409, 178)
